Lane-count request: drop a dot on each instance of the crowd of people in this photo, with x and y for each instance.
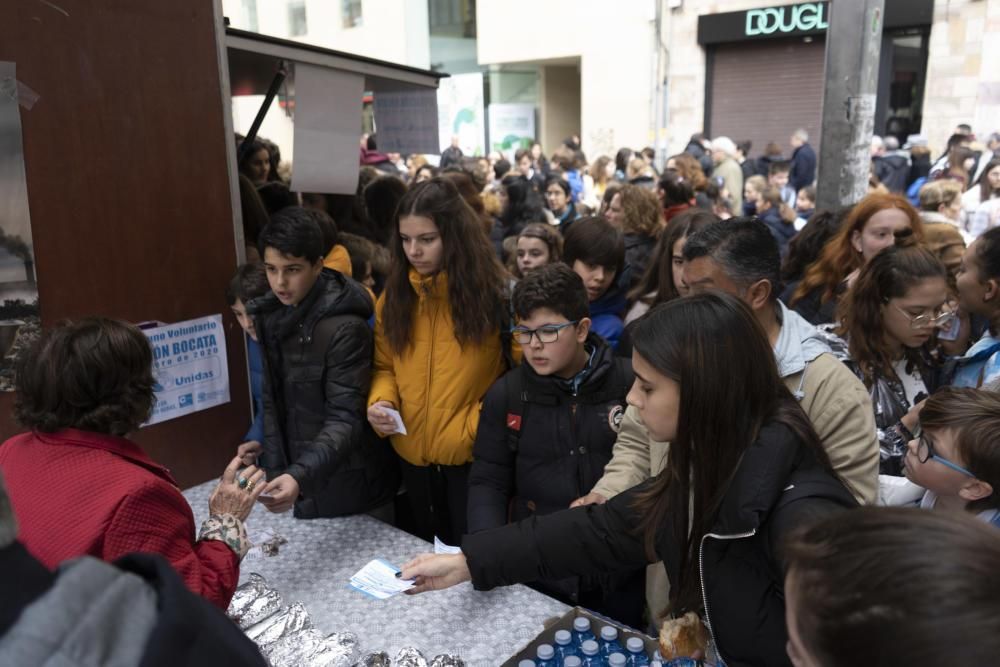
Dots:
(646, 392)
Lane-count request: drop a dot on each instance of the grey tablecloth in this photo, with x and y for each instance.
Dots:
(484, 628)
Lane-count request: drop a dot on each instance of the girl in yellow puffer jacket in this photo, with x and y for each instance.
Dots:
(440, 332)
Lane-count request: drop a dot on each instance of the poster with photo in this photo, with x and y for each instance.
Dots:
(19, 318)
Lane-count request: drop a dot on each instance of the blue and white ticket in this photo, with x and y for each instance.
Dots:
(378, 579)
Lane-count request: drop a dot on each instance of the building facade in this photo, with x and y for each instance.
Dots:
(649, 70)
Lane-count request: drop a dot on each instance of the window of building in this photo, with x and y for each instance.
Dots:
(350, 13)
(297, 18)
(452, 18)
(249, 15)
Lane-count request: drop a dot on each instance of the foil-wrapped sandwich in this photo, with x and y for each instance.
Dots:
(269, 631)
(410, 657)
(309, 648)
(380, 659)
(445, 660)
(253, 601)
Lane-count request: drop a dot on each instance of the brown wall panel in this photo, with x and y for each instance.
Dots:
(763, 91)
(125, 153)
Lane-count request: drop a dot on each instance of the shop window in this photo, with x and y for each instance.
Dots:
(297, 18)
(350, 13)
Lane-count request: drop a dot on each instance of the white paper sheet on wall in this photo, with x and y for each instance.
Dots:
(327, 130)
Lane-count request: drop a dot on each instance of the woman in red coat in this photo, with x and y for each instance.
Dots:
(80, 487)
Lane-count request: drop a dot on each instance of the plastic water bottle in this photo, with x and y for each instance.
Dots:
(572, 661)
(617, 659)
(609, 643)
(564, 646)
(581, 631)
(590, 654)
(546, 656)
(636, 652)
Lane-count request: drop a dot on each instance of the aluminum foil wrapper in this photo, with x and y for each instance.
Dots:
(445, 660)
(253, 601)
(274, 627)
(410, 657)
(309, 648)
(380, 659)
(270, 547)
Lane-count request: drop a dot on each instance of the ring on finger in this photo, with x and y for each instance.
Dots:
(250, 486)
(242, 482)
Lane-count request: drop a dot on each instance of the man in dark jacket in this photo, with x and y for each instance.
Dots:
(892, 166)
(803, 171)
(548, 427)
(136, 611)
(697, 148)
(318, 451)
(452, 155)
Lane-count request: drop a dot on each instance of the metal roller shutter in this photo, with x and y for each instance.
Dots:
(763, 91)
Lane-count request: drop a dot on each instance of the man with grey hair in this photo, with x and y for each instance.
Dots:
(728, 169)
(892, 166)
(803, 168)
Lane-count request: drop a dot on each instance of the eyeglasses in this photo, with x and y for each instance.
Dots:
(922, 321)
(925, 452)
(546, 334)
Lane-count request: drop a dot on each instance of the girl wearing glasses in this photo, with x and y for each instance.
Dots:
(438, 348)
(956, 456)
(887, 331)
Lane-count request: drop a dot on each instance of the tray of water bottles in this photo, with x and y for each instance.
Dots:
(581, 638)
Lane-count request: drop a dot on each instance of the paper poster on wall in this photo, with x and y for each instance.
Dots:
(460, 113)
(327, 129)
(406, 120)
(512, 126)
(190, 367)
(19, 318)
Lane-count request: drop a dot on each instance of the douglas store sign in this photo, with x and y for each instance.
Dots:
(791, 20)
(803, 19)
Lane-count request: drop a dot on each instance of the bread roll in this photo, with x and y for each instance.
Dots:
(681, 637)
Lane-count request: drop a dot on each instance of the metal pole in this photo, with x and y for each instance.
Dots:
(853, 43)
(279, 78)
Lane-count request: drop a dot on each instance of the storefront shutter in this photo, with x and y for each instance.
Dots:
(763, 91)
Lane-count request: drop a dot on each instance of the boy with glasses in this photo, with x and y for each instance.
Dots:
(547, 427)
(956, 454)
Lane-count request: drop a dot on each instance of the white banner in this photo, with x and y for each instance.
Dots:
(327, 130)
(460, 113)
(512, 126)
(190, 367)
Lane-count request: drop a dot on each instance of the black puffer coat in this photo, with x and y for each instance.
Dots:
(318, 361)
(779, 485)
(565, 439)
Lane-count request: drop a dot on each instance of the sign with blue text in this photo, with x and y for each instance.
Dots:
(190, 367)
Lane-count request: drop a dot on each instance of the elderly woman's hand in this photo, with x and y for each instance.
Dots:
(238, 491)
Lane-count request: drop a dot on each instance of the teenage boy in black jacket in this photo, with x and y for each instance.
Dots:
(548, 427)
(318, 451)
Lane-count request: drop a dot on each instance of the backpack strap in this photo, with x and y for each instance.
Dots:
(514, 384)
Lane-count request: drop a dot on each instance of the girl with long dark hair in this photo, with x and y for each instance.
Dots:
(745, 467)
(661, 281)
(438, 348)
